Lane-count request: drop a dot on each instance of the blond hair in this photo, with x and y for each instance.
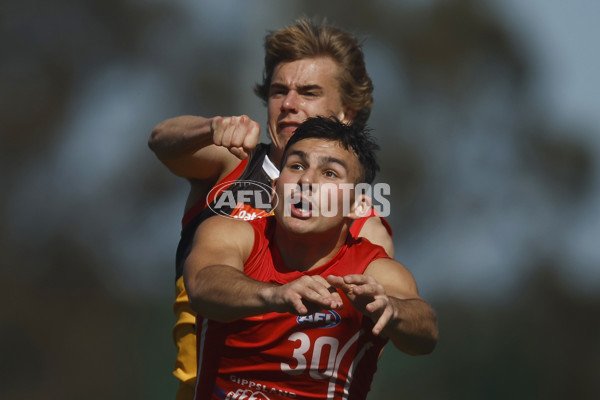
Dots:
(305, 39)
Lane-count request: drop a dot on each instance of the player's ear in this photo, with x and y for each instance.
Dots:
(361, 206)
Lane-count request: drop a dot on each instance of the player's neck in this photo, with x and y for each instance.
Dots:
(275, 155)
(308, 251)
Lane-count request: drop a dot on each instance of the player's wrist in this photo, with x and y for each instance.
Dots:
(213, 127)
(267, 295)
(394, 320)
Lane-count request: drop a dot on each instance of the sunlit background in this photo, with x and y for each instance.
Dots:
(488, 116)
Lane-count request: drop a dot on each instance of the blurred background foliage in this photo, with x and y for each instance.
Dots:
(490, 152)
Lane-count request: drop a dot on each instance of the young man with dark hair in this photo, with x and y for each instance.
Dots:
(291, 305)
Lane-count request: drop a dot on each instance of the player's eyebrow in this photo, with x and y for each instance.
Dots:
(322, 160)
(303, 88)
(307, 88)
(333, 160)
(303, 156)
(277, 86)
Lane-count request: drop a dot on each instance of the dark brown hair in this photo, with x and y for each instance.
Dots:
(352, 137)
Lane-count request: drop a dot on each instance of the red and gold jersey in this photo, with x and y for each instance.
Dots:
(326, 355)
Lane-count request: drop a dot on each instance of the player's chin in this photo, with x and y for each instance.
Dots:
(298, 225)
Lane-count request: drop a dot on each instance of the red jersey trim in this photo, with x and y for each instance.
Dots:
(201, 205)
(358, 224)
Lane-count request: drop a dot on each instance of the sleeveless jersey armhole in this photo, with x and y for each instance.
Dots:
(258, 226)
(358, 224)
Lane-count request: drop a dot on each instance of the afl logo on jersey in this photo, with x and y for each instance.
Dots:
(323, 319)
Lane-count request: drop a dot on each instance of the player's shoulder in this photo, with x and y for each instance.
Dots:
(225, 229)
(225, 233)
(377, 231)
(221, 223)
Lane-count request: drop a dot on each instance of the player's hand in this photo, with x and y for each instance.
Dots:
(367, 296)
(304, 296)
(238, 134)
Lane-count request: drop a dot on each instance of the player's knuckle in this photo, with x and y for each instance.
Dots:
(236, 141)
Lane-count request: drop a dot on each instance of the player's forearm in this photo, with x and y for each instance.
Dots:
(223, 293)
(176, 137)
(413, 328)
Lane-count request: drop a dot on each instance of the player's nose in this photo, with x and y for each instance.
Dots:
(290, 102)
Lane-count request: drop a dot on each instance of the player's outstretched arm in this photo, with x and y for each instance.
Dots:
(387, 293)
(201, 148)
(219, 289)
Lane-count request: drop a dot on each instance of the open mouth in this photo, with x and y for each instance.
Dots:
(302, 209)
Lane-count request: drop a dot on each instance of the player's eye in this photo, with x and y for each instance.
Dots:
(277, 92)
(330, 174)
(311, 93)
